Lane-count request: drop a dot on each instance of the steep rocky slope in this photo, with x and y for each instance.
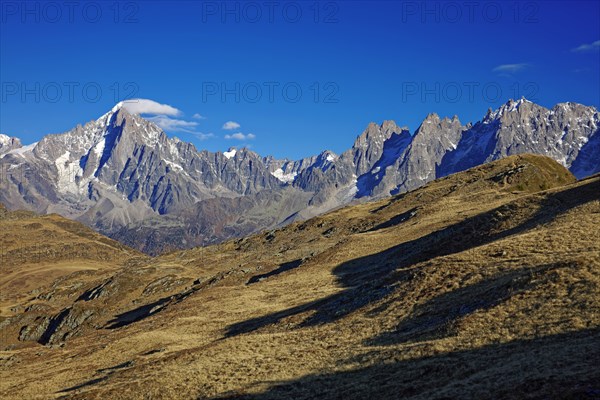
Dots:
(486, 280)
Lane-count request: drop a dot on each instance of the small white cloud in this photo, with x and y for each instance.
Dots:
(240, 136)
(172, 124)
(587, 47)
(231, 125)
(510, 68)
(145, 106)
(198, 116)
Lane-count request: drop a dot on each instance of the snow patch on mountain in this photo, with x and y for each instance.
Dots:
(21, 151)
(283, 177)
(325, 160)
(98, 148)
(67, 173)
(230, 154)
(4, 139)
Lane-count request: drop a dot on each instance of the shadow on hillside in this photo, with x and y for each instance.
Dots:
(396, 220)
(137, 314)
(556, 366)
(368, 278)
(83, 385)
(107, 371)
(282, 268)
(146, 310)
(437, 318)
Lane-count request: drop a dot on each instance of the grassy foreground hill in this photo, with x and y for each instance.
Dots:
(36, 250)
(484, 284)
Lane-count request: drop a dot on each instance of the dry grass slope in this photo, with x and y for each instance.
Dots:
(37, 250)
(483, 284)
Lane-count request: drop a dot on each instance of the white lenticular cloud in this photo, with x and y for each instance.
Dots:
(172, 124)
(145, 106)
(231, 125)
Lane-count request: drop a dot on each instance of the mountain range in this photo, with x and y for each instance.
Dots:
(124, 177)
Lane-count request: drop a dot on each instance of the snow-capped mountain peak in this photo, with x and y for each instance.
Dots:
(4, 139)
(9, 144)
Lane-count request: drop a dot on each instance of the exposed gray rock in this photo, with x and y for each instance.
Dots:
(524, 127)
(35, 330)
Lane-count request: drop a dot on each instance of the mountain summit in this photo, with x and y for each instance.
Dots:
(122, 175)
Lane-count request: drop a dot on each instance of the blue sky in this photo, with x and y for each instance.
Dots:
(246, 62)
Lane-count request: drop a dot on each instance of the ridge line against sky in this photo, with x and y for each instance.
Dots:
(291, 83)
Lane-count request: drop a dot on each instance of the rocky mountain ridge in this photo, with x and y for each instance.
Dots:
(123, 176)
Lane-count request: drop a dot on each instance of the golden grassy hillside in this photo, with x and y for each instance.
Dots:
(484, 284)
(37, 250)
